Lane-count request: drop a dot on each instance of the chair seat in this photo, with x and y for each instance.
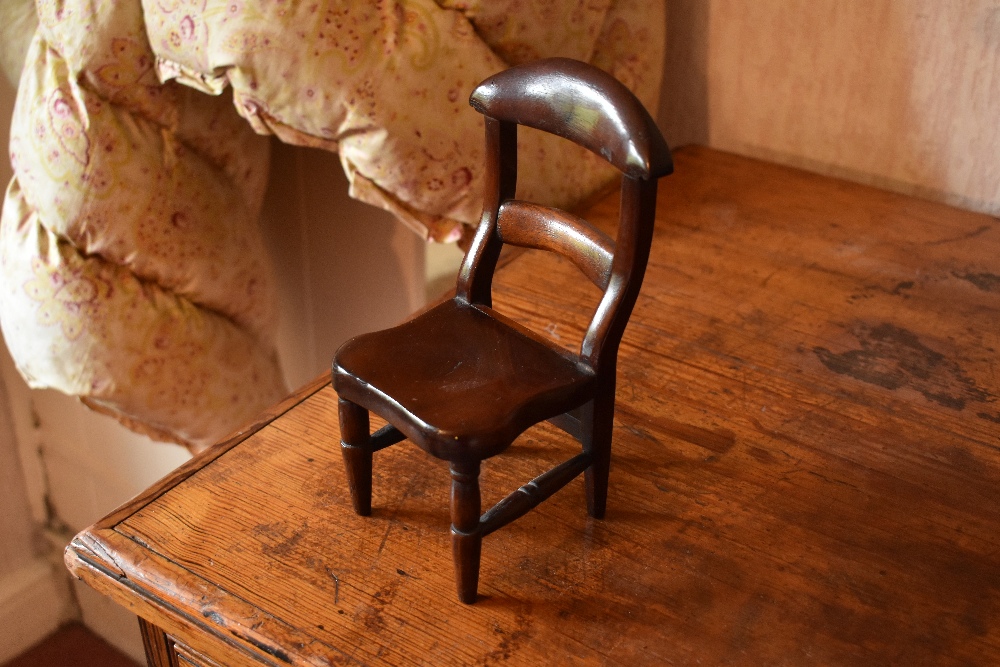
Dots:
(464, 381)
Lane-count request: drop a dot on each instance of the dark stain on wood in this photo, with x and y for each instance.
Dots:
(214, 616)
(988, 282)
(276, 531)
(962, 459)
(510, 641)
(988, 416)
(762, 455)
(894, 358)
(901, 286)
(869, 291)
(370, 614)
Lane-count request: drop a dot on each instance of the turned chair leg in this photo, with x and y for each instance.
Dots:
(355, 445)
(598, 424)
(466, 536)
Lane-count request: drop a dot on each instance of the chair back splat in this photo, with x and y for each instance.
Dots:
(430, 377)
(589, 107)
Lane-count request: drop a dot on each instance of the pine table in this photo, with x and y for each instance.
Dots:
(806, 469)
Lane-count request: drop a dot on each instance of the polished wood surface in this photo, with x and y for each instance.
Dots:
(529, 225)
(806, 468)
(582, 103)
(432, 365)
(462, 381)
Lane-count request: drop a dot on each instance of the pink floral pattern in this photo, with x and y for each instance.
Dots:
(133, 272)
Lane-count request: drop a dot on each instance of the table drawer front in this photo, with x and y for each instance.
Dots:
(188, 657)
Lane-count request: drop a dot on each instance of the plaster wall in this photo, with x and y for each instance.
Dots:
(903, 95)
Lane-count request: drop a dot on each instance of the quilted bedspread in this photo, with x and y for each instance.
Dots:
(134, 274)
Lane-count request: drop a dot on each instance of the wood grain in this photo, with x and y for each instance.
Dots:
(160, 649)
(805, 471)
(216, 450)
(532, 226)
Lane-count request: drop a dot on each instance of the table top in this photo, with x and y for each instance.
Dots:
(806, 467)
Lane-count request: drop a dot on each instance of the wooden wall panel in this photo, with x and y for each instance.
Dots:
(900, 94)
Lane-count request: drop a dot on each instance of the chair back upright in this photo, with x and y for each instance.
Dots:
(589, 107)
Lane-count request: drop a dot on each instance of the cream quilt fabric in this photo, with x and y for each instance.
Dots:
(134, 274)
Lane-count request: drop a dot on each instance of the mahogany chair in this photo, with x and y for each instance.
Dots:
(461, 380)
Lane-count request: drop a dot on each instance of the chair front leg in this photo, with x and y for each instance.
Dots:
(466, 535)
(597, 425)
(355, 445)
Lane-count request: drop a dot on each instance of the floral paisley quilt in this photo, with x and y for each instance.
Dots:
(133, 273)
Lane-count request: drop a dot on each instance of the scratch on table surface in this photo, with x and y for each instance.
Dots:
(385, 537)
(963, 237)
(336, 585)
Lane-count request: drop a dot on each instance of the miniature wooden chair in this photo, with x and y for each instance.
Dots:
(462, 381)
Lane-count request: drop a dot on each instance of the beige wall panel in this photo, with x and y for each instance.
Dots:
(901, 94)
(343, 267)
(18, 545)
(17, 528)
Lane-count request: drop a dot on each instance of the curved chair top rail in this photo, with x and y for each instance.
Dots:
(583, 104)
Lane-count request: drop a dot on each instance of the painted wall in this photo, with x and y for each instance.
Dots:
(34, 593)
(899, 94)
(16, 526)
(343, 267)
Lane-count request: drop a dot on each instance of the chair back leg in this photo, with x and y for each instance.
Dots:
(355, 445)
(466, 532)
(597, 424)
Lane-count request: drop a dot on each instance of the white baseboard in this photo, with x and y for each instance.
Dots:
(34, 602)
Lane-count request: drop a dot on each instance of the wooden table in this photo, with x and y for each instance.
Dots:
(806, 469)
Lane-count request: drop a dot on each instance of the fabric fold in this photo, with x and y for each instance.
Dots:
(134, 272)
